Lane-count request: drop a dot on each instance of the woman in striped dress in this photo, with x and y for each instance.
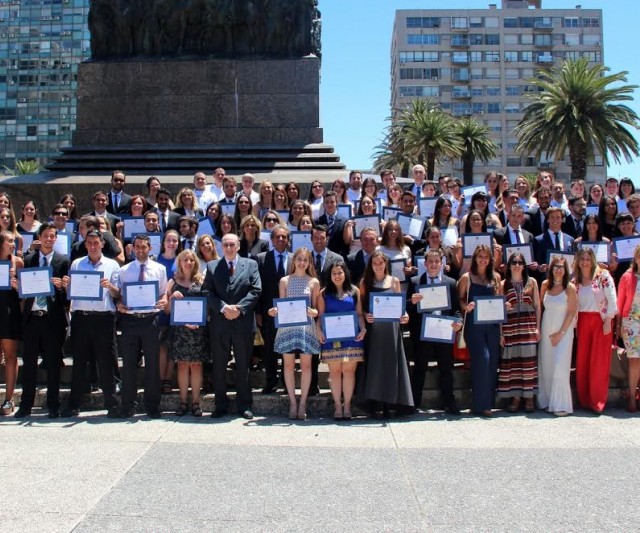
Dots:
(518, 377)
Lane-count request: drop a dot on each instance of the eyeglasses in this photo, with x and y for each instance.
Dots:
(558, 267)
(517, 262)
(318, 186)
(271, 219)
(60, 213)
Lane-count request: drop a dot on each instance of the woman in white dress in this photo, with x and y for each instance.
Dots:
(559, 298)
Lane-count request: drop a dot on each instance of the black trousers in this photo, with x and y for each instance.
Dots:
(224, 335)
(93, 338)
(140, 333)
(269, 358)
(41, 336)
(443, 354)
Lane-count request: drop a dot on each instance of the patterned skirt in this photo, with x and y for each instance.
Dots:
(518, 368)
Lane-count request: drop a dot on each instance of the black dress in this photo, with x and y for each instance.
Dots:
(10, 315)
(189, 345)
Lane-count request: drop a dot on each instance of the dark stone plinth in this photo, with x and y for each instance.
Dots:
(198, 101)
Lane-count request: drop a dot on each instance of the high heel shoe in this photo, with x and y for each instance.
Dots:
(529, 406)
(293, 412)
(302, 412)
(514, 406)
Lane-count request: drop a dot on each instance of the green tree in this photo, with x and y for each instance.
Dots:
(476, 145)
(575, 110)
(392, 151)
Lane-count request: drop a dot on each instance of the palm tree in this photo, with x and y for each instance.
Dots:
(574, 110)
(392, 151)
(476, 143)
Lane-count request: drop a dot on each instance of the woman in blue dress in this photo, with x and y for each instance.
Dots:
(342, 357)
(301, 282)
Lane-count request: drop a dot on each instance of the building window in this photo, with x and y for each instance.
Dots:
(590, 22)
(459, 23)
(513, 90)
(492, 57)
(475, 22)
(459, 57)
(513, 161)
(511, 38)
(591, 40)
(526, 57)
(423, 22)
(492, 73)
(477, 91)
(571, 22)
(418, 73)
(412, 91)
(512, 74)
(493, 91)
(419, 39)
(595, 57)
(475, 38)
(526, 38)
(511, 56)
(512, 108)
(475, 57)
(525, 22)
(477, 108)
(510, 22)
(569, 39)
(492, 39)
(542, 40)
(477, 74)
(460, 74)
(418, 57)
(493, 107)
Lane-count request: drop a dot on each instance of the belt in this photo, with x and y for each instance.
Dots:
(38, 313)
(94, 313)
(141, 315)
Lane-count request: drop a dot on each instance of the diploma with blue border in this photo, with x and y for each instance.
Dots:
(227, 209)
(365, 221)
(155, 240)
(435, 297)
(301, 239)
(427, 206)
(5, 275)
(85, 285)
(205, 227)
(340, 326)
(470, 241)
(345, 211)
(34, 282)
(397, 268)
(411, 225)
(141, 294)
(291, 311)
(63, 243)
(625, 247)
(191, 310)
(71, 226)
(27, 238)
(438, 328)
(489, 310)
(387, 307)
(133, 226)
(390, 213)
(600, 249)
(525, 249)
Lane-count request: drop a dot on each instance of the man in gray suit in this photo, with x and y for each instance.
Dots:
(233, 284)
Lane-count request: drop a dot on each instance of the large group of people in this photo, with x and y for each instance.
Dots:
(531, 278)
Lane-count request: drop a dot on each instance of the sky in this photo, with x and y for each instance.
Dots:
(355, 75)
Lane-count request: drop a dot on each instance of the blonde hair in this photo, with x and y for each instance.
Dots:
(196, 276)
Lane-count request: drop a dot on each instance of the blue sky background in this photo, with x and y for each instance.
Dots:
(355, 78)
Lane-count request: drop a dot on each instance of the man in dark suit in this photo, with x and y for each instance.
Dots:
(334, 224)
(513, 234)
(234, 287)
(419, 174)
(79, 249)
(100, 200)
(536, 217)
(357, 261)
(509, 197)
(574, 223)
(167, 218)
(424, 350)
(118, 200)
(552, 239)
(44, 326)
(272, 266)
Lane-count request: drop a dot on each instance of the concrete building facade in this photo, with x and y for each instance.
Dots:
(476, 62)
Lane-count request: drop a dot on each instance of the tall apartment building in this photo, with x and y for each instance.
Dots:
(477, 62)
(41, 44)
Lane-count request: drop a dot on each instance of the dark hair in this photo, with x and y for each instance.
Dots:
(177, 235)
(625, 181)
(292, 185)
(237, 217)
(74, 212)
(363, 186)
(601, 209)
(230, 218)
(35, 214)
(623, 217)
(385, 235)
(474, 264)
(585, 232)
(368, 277)
(4, 235)
(145, 206)
(149, 180)
(375, 206)
(507, 276)
(163, 191)
(305, 209)
(321, 227)
(565, 279)
(94, 233)
(45, 226)
(348, 287)
(480, 195)
(436, 211)
(344, 199)
(589, 197)
(467, 224)
(311, 197)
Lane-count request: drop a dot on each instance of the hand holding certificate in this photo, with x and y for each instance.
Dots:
(435, 297)
(489, 310)
(190, 311)
(5, 275)
(340, 326)
(85, 285)
(387, 307)
(291, 311)
(141, 295)
(35, 282)
(436, 328)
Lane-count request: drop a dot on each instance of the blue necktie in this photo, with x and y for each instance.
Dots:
(42, 300)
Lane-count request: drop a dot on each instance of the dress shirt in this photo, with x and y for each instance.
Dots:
(204, 198)
(153, 271)
(285, 257)
(516, 239)
(552, 234)
(111, 270)
(216, 191)
(437, 279)
(353, 196)
(323, 257)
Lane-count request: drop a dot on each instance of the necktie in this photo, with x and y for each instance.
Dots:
(318, 264)
(433, 280)
(330, 227)
(557, 241)
(418, 191)
(116, 201)
(163, 222)
(365, 258)
(141, 274)
(42, 300)
(281, 266)
(518, 239)
(578, 227)
(230, 268)
(189, 245)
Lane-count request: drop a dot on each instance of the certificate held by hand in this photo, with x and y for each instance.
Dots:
(85, 285)
(435, 297)
(489, 310)
(141, 295)
(291, 311)
(191, 311)
(340, 326)
(387, 307)
(35, 282)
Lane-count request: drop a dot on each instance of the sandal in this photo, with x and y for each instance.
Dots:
(529, 406)
(182, 409)
(195, 409)
(514, 407)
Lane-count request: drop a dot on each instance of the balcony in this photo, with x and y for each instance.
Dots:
(460, 59)
(542, 26)
(461, 78)
(459, 42)
(460, 29)
(465, 112)
(544, 60)
(543, 43)
(461, 95)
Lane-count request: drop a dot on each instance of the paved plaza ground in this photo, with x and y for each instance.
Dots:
(422, 473)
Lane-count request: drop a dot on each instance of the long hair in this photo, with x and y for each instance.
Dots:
(306, 209)
(231, 220)
(73, 213)
(292, 185)
(200, 240)
(4, 235)
(479, 196)
(634, 263)
(164, 238)
(237, 217)
(467, 225)
(347, 287)
(601, 212)
(12, 218)
(35, 212)
(342, 198)
(145, 207)
(589, 197)
(585, 232)
(310, 270)
(196, 276)
(311, 197)
(483, 248)
(507, 277)
(576, 263)
(375, 207)
(436, 211)
(368, 277)
(565, 278)
(626, 181)
(363, 186)
(399, 243)
(282, 190)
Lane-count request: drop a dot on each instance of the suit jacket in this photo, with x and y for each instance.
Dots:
(533, 223)
(172, 222)
(329, 260)
(503, 236)
(415, 318)
(355, 263)
(543, 243)
(569, 227)
(56, 303)
(336, 241)
(259, 246)
(243, 289)
(111, 248)
(112, 219)
(270, 280)
(123, 206)
(181, 212)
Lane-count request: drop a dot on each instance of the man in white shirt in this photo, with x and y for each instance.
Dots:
(355, 184)
(388, 178)
(216, 187)
(203, 196)
(248, 182)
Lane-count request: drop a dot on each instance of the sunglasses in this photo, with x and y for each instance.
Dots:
(270, 219)
(61, 213)
(517, 262)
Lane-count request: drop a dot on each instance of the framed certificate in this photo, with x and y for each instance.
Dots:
(133, 226)
(418, 261)
(140, 294)
(390, 213)
(427, 206)
(205, 227)
(340, 326)
(601, 249)
(71, 226)
(622, 206)
(449, 236)
(470, 241)
(387, 307)
(470, 191)
(284, 215)
(291, 311)
(362, 222)
(437, 328)
(35, 282)
(489, 310)
(156, 243)
(411, 225)
(301, 239)
(85, 285)
(27, 238)
(191, 310)
(569, 256)
(63, 243)
(625, 247)
(435, 297)
(592, 210)
(5, 276)
(345, 211)
(397, 268)
(525, 249)
(227, 209)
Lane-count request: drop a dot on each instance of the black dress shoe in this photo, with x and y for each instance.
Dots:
(270, 389)
(452, 409)
(69, 412)
(22, 412)
(113, 412)
(53, 413)
(154, 413)
(127, 413)
(247, 414)
(219, 413)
